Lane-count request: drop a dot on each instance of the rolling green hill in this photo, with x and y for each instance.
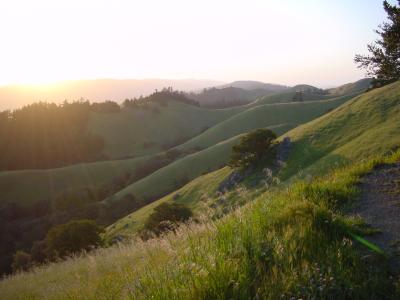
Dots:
(276, 117)
(287, 97)
(286, 243)
(28, 186)
(286, 115)
(351, 88)
(358, 129)
(255, 85)
(179, 172)
(362, 127)
(194, 194)
(311, 93)
(142, 131)
(226, 97)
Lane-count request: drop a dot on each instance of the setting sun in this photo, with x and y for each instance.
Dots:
(287, 42)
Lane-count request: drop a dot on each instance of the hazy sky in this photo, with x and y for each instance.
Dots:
(280, 41)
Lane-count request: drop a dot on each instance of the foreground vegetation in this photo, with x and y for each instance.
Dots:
(290, 243)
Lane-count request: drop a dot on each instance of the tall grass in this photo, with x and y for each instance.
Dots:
(290, 243)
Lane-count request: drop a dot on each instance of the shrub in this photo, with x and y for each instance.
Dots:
(39, 252)
(73, 237)
(21, 262)
(166, 216)
(252, 148)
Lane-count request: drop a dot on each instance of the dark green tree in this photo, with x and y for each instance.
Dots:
(298, 97)
(39, 252)
(22, 261)
(166, 216)
(383, 63)
(252, 148)
(73, 237)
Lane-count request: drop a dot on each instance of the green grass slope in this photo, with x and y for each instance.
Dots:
(138, 131)
(287, 97)
(194, 194)
(276, 116)
(288, 243)
(279, 117)
(168, 178)
(29, 186)
(294, 243)
(364, 126)
(351, 88)
(367, 125)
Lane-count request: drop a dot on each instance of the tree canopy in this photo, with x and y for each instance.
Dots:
(383, 63)
(252, 148)
(73, 237)
(167, 215)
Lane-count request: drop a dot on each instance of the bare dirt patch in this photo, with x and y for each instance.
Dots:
(379, 206)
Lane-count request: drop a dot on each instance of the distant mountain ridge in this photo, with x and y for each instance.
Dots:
(209, 93)
(253, 85)
(97, 90)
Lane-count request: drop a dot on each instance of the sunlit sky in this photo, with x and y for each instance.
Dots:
(280, 41)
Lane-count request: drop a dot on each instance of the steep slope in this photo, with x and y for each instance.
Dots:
(196, 194)
(290, 243)
(362, 127)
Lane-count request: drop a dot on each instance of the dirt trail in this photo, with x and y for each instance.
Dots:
(379, 206)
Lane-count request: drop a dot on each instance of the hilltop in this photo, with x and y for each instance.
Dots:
(256, 85)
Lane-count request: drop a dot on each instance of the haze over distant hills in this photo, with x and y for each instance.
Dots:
(255, 85)
(14, 96)
(209, 93)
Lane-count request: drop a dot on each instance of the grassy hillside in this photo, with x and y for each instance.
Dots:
(140, 131)
(29, 186)
(364, 126)
(195, 194)
(226, 97)
(311, 93)
(277, 117)
(287, 97)
(286, 116)
(179, 172)
(255, 85)
(293, 243)
(316, 147)
(351, 88)
(289, 243)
